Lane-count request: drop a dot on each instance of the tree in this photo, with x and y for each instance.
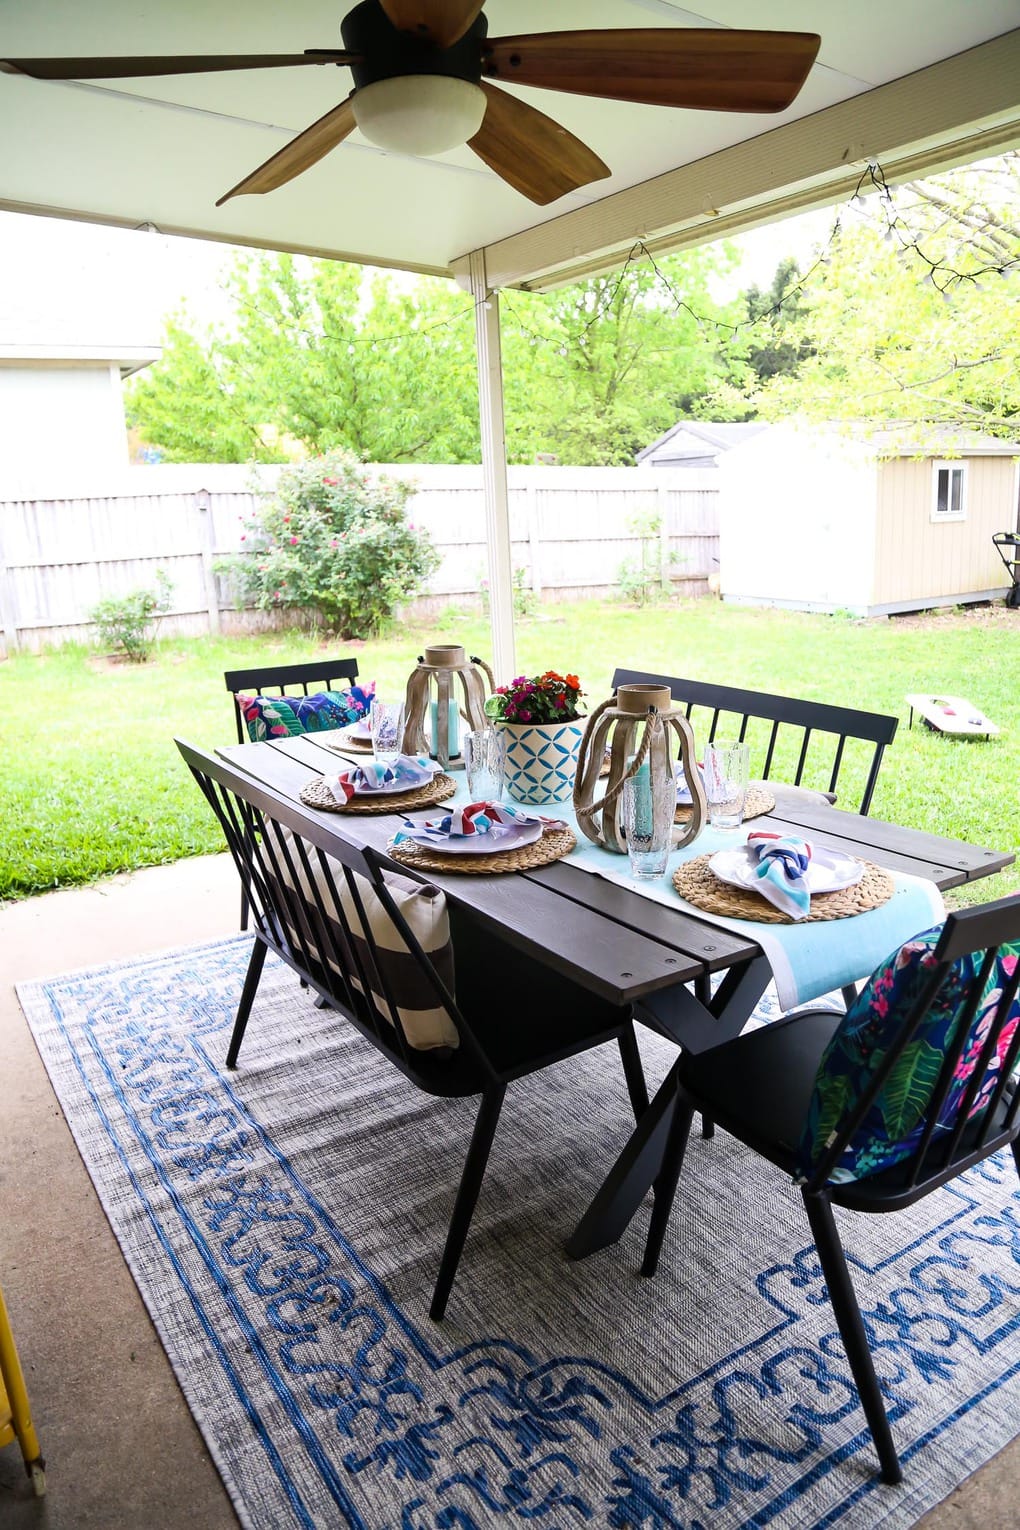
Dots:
(910, 316)
(320, 357)
(779, 316)
(597, 370)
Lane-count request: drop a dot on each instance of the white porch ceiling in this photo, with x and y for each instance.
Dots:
(918, 83)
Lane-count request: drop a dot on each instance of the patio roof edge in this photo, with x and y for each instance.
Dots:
(951, 113)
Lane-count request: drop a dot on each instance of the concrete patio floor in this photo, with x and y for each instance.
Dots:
(122, 1450)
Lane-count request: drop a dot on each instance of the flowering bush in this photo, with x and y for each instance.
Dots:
(336, 541)
(538, 699)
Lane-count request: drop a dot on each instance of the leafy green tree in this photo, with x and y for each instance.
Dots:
(320, 357)
(598, 369)
(779, 316)
(910, 317)
(335, 541)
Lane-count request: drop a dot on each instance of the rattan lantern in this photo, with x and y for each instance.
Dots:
(432, 711)
(639, 724)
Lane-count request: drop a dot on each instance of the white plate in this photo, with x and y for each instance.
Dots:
(515, 837)
(828, 870)
(350, 737)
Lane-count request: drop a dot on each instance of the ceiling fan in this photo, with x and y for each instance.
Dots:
(422, 71)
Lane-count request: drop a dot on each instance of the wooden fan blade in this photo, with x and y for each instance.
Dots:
(300, 154)
(712, 70)
(444, 21)
(136, 68)
(530, 151)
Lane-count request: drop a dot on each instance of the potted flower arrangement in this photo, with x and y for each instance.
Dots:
(541, 717)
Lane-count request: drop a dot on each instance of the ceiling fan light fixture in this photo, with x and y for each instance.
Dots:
(419, 113)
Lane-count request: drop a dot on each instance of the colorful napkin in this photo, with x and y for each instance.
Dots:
(496, 819)
(780, 872)
(407, 771)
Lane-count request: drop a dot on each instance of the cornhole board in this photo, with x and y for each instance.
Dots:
(951, 715)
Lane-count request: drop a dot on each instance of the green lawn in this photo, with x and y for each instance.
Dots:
(93, 784)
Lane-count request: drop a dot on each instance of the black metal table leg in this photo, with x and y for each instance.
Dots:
(674, 1012)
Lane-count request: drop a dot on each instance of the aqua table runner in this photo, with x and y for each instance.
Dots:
(808, 959)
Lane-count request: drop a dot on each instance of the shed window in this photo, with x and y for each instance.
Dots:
(950, 502)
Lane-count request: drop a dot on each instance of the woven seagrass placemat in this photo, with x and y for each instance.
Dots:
(703, 888)
(317, 794)
(758, 800)
(554, 844)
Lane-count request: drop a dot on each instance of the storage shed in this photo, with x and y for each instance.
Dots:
(899, 519)
(697, 443)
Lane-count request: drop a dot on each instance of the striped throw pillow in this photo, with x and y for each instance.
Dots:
(426, 1022)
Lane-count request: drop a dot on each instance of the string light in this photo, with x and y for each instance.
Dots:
(939, 273)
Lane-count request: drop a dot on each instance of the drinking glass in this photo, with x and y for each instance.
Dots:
(386, 722)
(649, 802)
(726, 770)
(485, 763)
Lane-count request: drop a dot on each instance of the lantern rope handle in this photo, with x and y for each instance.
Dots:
(632, 770)
(482, 665)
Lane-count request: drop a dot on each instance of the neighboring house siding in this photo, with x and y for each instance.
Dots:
(60, 416)
(917, 558)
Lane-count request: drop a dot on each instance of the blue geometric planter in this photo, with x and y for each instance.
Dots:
(541, 760)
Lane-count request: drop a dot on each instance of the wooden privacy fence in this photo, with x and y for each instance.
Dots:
(64, 547)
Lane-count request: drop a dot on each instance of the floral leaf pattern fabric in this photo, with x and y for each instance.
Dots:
(267, 717)
(893, 1126)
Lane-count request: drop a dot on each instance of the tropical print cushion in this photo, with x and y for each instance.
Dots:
(894, 1124)
(280, 716)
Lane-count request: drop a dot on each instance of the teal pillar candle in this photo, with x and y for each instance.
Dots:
(644, 812)
(452, 731)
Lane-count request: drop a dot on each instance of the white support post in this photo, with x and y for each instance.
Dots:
(665, 561)
(494, 476)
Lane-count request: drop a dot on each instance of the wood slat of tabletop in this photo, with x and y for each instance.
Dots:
(955, 857)
(611, 959)
(943, 876)
(717, 948)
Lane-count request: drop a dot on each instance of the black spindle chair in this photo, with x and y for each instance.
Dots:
(284, 680)
(819, 749)
(309, 890)
(761, 1086)
(287, 679)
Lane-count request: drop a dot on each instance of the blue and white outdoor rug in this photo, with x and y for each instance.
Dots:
(284, 1223)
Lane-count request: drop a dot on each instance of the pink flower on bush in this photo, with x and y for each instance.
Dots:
(293, 541)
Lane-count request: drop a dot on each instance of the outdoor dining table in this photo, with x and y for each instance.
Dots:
(692, 977)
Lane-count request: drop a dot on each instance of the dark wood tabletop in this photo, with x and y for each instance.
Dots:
(628, 948)
(612, 940)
